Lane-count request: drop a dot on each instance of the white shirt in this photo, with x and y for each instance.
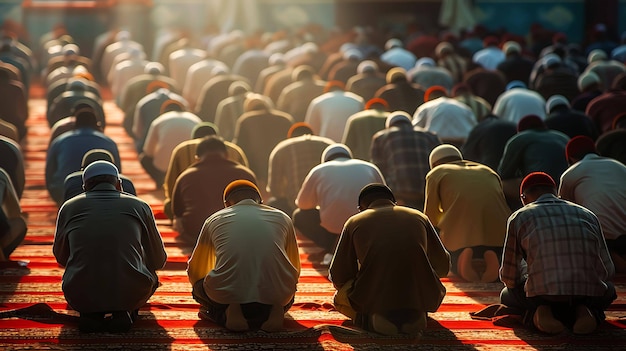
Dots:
(516, 103)
(165, 133)
(399, 57)
(335, 186)
(181, 60)
(247, 253)
(197, 75)
(446, 117)
(597, 183)
(489, 57)
(328, 113)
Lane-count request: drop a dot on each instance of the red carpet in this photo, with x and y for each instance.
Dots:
(35, 316)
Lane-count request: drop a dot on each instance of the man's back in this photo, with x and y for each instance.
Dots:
(597, 183)
(465, 200)
(384, 285)
(333, 185)
(254, 247)
(551, 232)
(290, 162)
(101, 239)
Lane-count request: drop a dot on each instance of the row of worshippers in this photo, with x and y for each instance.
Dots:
(511, 165)
(573, 292)
(338, 153)
(16, 67)
(510, 169)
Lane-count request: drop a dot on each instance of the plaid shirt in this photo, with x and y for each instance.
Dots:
(563, 246)
(290, 162)
(401, 153)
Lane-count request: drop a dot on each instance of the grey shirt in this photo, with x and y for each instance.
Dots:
(110, 247)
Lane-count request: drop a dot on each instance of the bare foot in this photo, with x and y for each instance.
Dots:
(235, 320)
(274, 322)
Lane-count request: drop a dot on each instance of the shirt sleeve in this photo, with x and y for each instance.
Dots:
(510, 272)
(307, 197)
(291, 246)
(202, 259)
(152, 242)
(60, 245)
(437, 253)
(432, 204)
(344, 265)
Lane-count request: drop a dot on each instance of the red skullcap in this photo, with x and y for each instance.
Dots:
(579, 146)
(376, 101)
(530, 122)
(433, 89)
(299, 125)
(536, 179)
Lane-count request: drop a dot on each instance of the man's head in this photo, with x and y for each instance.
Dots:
(335, 151)
(101, 172)
(209, 145)
(86, 118)
(373, 192)
(445, 153)
(204, 129)
(94, 155)
(530, 122)
(396, 75)
(534, 185)
(298, 129)
(397, 118)
(377, 104)
(588, 81)
(578, 147)
(515, 84)
(556, 103)
(239, 190)
(512, 48)
(435, 92)
(172, 105)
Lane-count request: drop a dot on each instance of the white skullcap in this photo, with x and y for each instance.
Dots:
(70, 49)
(443, 151)
(393, 43)
(367, 66)
(352, 54)
(397, 117)
(511, 46)
(276, 58)
(335, 150)
(596, 55)
(550, 59)
(154, 68)
(556, 100)
(586, 79)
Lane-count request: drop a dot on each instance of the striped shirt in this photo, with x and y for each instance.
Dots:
(563, 246)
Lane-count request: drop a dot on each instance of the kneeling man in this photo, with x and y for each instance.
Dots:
(110, 247)
(245, 266)
(387, 265)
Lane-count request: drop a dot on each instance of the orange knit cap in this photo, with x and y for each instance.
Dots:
(238, 185)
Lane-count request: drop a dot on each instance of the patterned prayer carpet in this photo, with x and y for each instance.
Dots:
(35, 316)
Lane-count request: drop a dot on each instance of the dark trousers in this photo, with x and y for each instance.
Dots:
(255, 312)
(157, 175)
(562, 307)
(307, 222)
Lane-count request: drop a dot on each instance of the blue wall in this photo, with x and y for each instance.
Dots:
(516, 16)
